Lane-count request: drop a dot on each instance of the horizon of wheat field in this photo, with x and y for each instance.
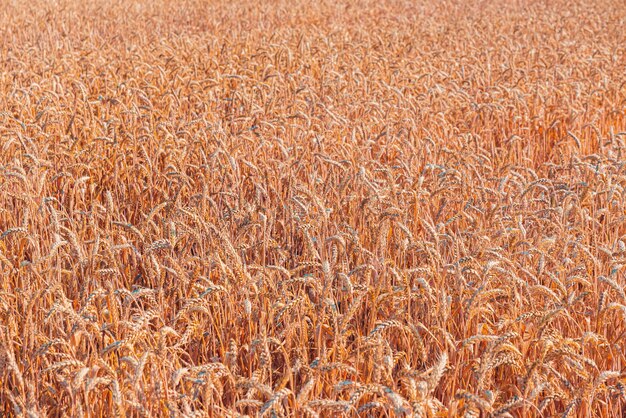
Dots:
(312, 209)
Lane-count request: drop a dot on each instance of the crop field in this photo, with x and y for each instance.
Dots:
(312, 209)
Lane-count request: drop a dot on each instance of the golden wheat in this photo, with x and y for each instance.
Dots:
(346, 208)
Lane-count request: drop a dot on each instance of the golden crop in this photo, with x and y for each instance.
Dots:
(289, 208)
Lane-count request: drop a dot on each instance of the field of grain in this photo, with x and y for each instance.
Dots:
(338, 208)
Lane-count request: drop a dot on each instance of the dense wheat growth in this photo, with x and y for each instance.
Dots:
(374, 208)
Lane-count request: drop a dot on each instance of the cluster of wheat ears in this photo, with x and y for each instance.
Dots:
(376, 208)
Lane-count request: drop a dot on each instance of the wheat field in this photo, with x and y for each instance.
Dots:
(312, 209)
